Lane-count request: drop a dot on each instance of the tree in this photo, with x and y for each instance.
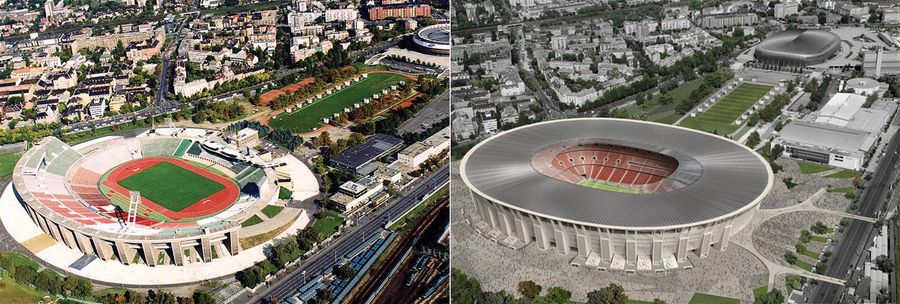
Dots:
(790, 258)
(772, 297)
(612, 294)
(753, 140)
(345, 272)
(201, 297)
(558, 295)
(884, 263)
(529, 289)
(800, 248)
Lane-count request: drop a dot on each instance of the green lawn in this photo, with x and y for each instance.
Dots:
(171, 186)
(253, 220)
(310, 117)
(760, 291)
(812, 168)
(8, 163)
(272, 210)
(812, 254)
(845, 190)
(820, 239)
(327, 223)
(804, 265)
(284, 193)
(608, 186)
(666, 113)
(14, 293)
(718, 118)
(702, 298)
(846, 173)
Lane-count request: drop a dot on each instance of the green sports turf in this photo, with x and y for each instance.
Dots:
(719, 117)
(812, 168)
(8, 163)
(702, 298)
(845, 174)
(171, 186)
(608, 186)
(310, 117)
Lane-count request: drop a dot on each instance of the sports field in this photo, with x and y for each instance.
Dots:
(608, 186)
(718, 118)
(171, 186)
(310, 117)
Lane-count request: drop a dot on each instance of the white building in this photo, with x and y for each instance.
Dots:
(343, 14)
(419, 152)
(674, 24)
(351, 195)
(783, 10)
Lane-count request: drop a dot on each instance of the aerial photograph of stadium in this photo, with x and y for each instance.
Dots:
(623, 152)
(272, 152)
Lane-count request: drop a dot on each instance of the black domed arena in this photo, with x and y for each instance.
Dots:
(798, 48)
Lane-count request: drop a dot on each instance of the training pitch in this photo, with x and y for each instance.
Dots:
(310, 117)
(719, 118)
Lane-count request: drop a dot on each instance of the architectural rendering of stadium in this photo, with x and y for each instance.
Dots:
(164, 197)
(434, 39)
(624, 194)
(798, 47)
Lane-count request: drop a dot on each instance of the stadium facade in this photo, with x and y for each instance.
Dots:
(622, 194)
(61, 188)
(798, 48)
(433, 39)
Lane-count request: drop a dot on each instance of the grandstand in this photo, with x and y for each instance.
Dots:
(70, 195)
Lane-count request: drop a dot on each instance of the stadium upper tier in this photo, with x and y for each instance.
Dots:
(685, 176)
(63, 184)
(798, 47)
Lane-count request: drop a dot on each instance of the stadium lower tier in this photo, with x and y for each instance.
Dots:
(611, 248)
(178, 250)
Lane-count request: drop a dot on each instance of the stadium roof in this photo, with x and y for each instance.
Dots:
(732, 179)
(374, 147)
(798, 47)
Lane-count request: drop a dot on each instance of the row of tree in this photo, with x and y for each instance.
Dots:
(283, 138)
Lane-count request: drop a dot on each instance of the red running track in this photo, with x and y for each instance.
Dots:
(210, 205)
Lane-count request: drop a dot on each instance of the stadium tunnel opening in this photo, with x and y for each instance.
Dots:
(606, 166)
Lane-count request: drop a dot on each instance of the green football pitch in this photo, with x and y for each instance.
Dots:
(310, 117)
(171, 186)
(608, 186)
(718, 118)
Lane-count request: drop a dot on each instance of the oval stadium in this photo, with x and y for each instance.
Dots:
(622, 194)
(798, 47)
(433, 39)
(165, 197)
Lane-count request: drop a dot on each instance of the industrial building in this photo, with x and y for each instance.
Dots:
(842, 134)
(881, 62)
(359, 158)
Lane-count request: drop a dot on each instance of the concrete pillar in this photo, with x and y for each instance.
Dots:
(605, 249)
(234, 244)
(205, 249)
(726, 237)
(493, 218)
(704, 245)
(682, 249)
(84, 243)
(149, 253)
(43, 223)
(562, 243)
(506, 222)
(125, 255)
(630, 251)
(657, 252)
(540, 233)
(177, 253)
(104, 250)
(68, 237)
(484, 209)
(584, 248)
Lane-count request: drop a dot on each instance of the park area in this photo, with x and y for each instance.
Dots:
(719, 118)
(310, 117)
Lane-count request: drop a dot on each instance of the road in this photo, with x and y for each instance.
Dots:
(847, 255)
(366, 227)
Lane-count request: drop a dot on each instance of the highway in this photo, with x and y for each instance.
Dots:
(858, 235)
(366, 227)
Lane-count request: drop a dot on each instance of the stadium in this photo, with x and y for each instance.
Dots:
(798, 48)
(433, 39)
(163, 197)
(623, 194)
